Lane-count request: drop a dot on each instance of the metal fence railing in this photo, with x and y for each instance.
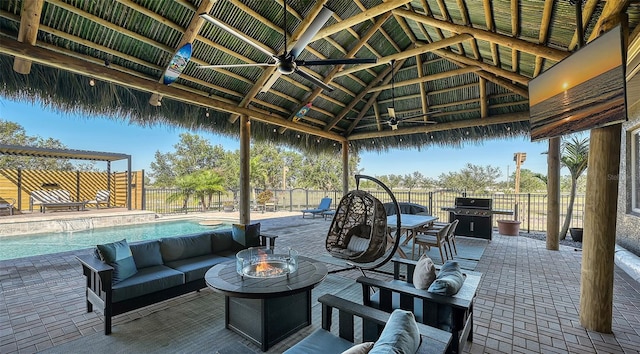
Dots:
(531, 207)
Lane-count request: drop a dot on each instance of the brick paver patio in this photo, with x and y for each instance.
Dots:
(528, 300)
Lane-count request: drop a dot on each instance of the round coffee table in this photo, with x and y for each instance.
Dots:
(266, 310)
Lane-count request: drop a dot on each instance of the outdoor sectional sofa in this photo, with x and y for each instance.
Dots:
(164, 268)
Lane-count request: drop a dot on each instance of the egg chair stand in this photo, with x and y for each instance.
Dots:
(359, 233)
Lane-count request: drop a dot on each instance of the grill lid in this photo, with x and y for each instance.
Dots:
(473, 203)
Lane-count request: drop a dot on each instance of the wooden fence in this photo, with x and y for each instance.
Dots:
(18, 185)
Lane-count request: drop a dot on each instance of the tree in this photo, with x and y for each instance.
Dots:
(414, 180)
(12, 133)
(530, 181)
(192, 153)
(207, 183)
(574, 155)
(472, 177)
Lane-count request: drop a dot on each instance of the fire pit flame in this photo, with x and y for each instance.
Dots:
(259, 263)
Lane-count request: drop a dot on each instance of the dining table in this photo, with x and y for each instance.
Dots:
(409, 226)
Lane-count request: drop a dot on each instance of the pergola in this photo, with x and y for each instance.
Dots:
(465, 64)
(108, 157)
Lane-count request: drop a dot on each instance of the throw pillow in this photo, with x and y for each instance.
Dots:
(424, 273)
(362, 348)
(119, 256)
(449, 279)
(246, 235)
(400, 335)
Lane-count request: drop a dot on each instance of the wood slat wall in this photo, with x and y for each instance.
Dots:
(81, 185)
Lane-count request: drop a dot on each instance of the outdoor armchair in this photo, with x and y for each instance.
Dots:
(102, 197)
(8, 203)
(325, 204)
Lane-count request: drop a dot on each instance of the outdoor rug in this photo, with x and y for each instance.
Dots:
(194, 323)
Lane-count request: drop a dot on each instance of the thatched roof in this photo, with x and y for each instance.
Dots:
(468, 61)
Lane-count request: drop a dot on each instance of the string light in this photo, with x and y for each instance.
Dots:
(92, 82)
(207, 113)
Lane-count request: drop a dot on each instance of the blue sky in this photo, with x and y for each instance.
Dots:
(110, 135)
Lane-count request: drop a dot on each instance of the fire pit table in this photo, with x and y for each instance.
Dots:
(264, 306)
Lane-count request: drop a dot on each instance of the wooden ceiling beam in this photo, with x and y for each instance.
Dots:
(612, 9)
(507, 41)
(438, 76)
(587, 11)
(28, 32)
(423, 91)
(544, 30)
(461, 124)
(361, 17)
(410, 52)
(107, 74)
(511, 76)
(491, 28)
(484, 110)
(515, 33)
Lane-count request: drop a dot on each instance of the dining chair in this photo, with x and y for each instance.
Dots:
(451, 237)
(428, 237)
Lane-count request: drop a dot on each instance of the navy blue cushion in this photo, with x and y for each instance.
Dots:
(321, 342)
(146, 253)
(449, 280)
(221, 240)
(181, 247)
(146, 281)
(118, 255)
(400, 335)
(195, 267)
(246, 235)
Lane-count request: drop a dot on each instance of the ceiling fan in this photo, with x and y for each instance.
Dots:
(393, 120)
(287, 63)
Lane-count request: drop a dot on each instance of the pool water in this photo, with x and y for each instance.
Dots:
(37, 244)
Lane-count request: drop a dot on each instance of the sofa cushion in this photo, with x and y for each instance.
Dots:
(246, 235)
(221, 240)
(400, 335)
(195, 267)
(449, 279)
(146, 281)
(320, 341)
(425, 273)
(146, 253)
(181, 247)
(118, 255)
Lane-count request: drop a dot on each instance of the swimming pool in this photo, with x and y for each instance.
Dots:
(37, 244)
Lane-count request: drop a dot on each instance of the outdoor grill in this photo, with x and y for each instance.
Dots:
(475, 217)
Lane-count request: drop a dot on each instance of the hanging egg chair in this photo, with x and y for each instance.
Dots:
(359, 233)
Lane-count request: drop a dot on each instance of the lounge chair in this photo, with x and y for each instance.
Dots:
(7, 203)
(56, 198)
(102, 197)
(324, 205)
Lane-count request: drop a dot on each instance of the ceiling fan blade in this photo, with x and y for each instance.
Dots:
(234, 65)
(392, 112)
(239, 35)
(272, 80)
(345, 61)
(314, 80)
(311, 31)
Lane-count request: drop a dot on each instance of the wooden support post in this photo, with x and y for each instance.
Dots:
(28, 33)
(245, 139)
(553, 194)
(345, 167)
(599, 240)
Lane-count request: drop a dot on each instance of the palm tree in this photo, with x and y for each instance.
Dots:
(207, 183)
(186, 187)
(574, 156)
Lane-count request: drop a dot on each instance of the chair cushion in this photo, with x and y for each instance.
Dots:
(320, 342)
(146, 281)
(358, 244)
(424, 273)
(195, 267)
(362, 348)
(449, 279)
(400, 335)
(119, 256)
(246, 235)
(181, 247)
(221, 240)
(146, 253)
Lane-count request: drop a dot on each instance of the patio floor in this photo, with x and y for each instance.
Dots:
(528, 300)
